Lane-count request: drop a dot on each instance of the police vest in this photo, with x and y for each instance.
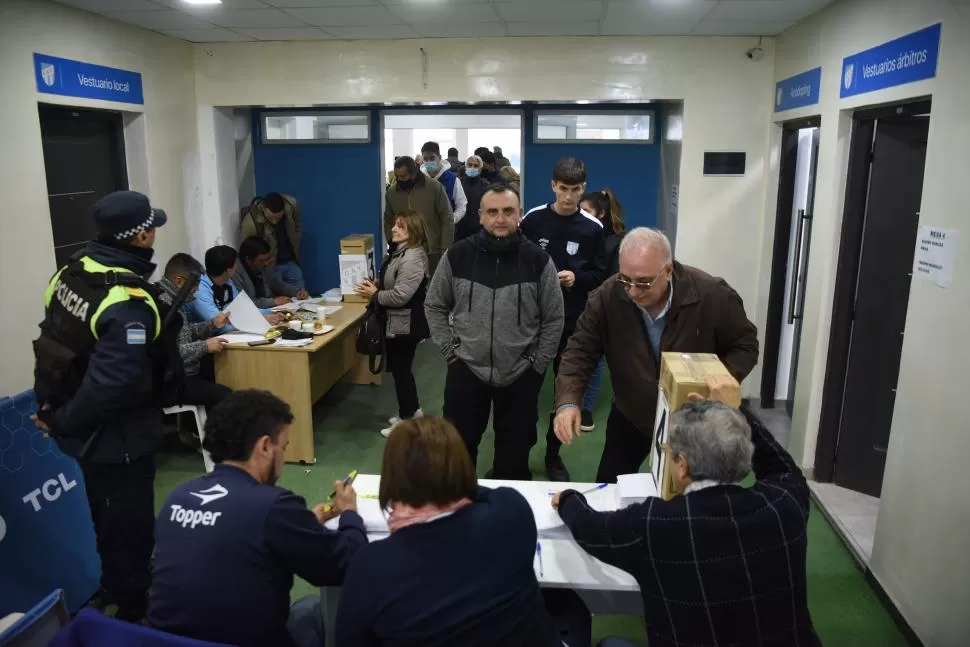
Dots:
(77, 296)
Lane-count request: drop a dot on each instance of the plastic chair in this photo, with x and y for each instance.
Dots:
(93, 629)
(36, 627)
(200, 418)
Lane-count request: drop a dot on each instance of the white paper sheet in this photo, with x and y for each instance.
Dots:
(636, 486)
(241, 337)
(293, 306)
(245, 316)
(935, 256)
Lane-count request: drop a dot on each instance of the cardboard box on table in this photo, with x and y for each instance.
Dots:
(356, 264)
(680, 375)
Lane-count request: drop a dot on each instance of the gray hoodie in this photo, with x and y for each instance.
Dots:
(273, 286)
(499, 313)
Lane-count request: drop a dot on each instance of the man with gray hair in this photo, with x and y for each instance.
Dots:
(719, 564)
(653, 305)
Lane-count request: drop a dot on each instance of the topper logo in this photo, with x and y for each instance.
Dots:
(51, 491)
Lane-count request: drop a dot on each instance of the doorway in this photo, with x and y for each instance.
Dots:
(880, 221)
(789, 263)
(84, 160)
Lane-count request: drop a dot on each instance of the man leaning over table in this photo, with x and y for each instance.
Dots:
(718, 564)
(654, 305)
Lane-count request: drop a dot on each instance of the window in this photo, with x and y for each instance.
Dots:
(611, 127)
(509, 139)
(315, 128)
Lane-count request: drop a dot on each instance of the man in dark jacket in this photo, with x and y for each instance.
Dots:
(412, 190)
(474, 185)
(574, 240)
(230, 542)
(653, 305)
(719, 564)
(255, 277)
(100, 359)
(495, 309)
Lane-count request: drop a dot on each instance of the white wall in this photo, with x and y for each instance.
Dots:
(27, 254)
(727, 106)
(919, 555)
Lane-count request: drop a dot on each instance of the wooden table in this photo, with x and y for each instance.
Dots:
(300, 376)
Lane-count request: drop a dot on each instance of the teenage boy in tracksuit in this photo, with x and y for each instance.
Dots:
(574, 240)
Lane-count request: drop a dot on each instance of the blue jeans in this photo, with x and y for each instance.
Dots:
(291, 273)
(593, 388)
(305, 623)
(615, 641)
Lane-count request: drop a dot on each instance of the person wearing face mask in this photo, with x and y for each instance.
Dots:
(197, 342)
(415, 191)
(474, 185)
(652, 306)
(495, 310)
(440, 170)
(228, 544)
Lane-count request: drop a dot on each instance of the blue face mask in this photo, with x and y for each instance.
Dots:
(472, 172)
(432, 167)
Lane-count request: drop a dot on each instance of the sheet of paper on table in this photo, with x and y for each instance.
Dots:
(241, 337)
(245, 316)
(635, 488)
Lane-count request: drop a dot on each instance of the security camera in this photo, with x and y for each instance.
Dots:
(755, 54)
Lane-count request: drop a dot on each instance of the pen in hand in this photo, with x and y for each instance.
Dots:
(539, 554)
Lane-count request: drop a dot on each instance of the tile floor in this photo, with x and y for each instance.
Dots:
(852, 514)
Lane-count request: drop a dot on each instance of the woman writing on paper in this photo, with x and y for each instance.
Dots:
(400, 292)
(458, 567)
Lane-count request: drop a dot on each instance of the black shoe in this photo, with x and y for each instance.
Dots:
(586, 421)
(556, 469)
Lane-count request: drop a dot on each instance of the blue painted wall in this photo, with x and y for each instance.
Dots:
(632, 171)
(337, 186)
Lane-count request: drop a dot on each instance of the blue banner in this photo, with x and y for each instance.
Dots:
(904, 60)
(798, 91)
(76, 79)
(46, 535)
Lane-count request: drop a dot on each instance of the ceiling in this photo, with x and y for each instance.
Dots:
(274, 20)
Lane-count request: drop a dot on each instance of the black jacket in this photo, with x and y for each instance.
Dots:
(470, 223)
(109, 401)
(720, 566)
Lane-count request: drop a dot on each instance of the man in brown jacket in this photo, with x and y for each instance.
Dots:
(276, 219)
(414, 191)
(653, 305)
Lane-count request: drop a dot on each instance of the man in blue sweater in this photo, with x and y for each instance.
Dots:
(574, 240)
(229, 543)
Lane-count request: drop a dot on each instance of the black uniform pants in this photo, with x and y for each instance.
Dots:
(122, 500)
(625, 449)
(468, 402)
(552, 441)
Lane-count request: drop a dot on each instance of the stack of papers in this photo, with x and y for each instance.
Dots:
(241, 337)
(293, 343)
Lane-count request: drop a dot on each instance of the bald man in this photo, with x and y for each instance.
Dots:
(654, 305)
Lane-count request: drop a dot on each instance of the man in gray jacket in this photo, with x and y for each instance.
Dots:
(495, 310)
(266, 289)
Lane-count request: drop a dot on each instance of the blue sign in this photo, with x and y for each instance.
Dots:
(76, 79)
(798, 91)
(904, 60)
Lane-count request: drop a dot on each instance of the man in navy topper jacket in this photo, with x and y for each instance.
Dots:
(574, 240)
(229, 543)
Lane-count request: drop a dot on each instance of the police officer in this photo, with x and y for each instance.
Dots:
(98, 361)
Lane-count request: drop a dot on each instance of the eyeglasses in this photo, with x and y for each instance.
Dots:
(629, 285)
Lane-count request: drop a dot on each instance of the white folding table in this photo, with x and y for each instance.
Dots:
(604, 588)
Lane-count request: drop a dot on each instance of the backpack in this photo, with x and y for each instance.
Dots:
(370, 337)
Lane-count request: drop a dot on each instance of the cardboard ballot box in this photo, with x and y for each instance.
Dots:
(356, 264)
(680, 375)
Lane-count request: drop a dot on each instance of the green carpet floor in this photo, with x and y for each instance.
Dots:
(844, 609)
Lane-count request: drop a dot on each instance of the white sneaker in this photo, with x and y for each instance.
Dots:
(394, 420)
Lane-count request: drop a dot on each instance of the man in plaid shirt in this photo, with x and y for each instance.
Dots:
(720, 564)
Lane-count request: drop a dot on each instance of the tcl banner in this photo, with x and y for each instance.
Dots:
(46, 536)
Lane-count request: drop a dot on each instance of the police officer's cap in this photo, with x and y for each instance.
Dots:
(123, 214)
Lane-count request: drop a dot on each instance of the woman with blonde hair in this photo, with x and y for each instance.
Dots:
(400, 292)
(458, 566)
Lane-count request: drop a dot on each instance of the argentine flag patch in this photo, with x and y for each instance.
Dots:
(135, 334)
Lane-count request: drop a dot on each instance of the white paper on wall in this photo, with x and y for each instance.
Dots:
(935, 254)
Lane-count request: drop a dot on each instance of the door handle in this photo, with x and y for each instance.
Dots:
(802, 267)
(796, 267)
